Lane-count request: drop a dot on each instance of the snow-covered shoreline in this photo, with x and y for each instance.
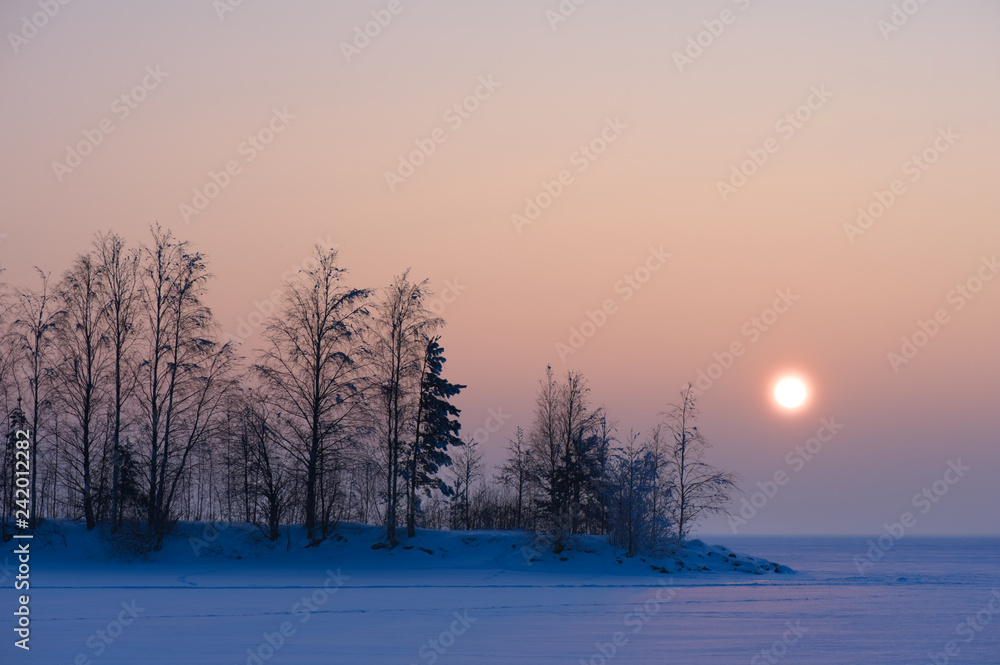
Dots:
(361, 546)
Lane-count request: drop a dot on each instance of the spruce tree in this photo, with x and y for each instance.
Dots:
(437, 429)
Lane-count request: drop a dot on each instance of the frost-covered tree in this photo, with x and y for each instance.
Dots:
(635, 481)
(697, 488)
(569, 443)
(630, 481)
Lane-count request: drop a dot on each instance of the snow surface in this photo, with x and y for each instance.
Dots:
(477, 597)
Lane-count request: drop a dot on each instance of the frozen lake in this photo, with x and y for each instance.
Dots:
(922, 595)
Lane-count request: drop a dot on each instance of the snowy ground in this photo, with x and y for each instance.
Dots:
(481, 602)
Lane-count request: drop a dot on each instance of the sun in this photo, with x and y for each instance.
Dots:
(790, 392)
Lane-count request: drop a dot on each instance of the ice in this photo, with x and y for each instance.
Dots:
(475, 599)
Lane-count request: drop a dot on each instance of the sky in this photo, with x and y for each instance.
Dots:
(633, 190)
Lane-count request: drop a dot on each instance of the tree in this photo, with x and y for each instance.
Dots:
(309, 366)
(185, 372)
(570, 440)
(11, 415)
(366, 475)
(266, 477)
(660, 491)
(33, 331)
(544, 447)
(119, 290)
(516, 473)
(594, 454)
(630, 493)
(466, 471)
(82, 345)
(636, 487)
(436, 430)
(16, 422)
(698, 489)
(401, 324)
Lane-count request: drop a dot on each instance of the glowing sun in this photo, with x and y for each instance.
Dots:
(790, 392)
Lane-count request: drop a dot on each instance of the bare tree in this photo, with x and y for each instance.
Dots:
(37, 319)
(516, 473)
(185, 372)
(397, 341)
(11, 416)
(310, 368)
(367, 482)
(82, 347)
(544, 441)
(119, 289)
(698, 489)
(263, 465)
(466, 471)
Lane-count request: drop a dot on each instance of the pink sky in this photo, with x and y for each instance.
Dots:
(870, 101)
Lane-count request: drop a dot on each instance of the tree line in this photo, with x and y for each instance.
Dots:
(143, 413)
